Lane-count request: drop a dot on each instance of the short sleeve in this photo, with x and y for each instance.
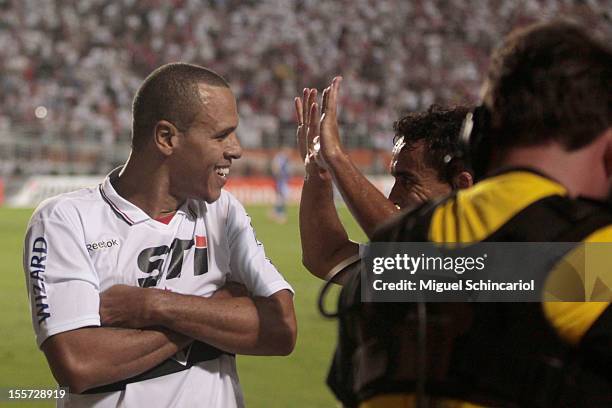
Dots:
(248, 262)
(63, 287)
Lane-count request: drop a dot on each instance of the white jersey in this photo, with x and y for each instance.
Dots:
(81, 243)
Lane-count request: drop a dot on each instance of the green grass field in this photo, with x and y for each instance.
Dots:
(294, 381)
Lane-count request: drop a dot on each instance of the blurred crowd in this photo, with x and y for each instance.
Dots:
(69, 68)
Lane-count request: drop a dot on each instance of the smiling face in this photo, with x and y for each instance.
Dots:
(200, 163)
(415, 181)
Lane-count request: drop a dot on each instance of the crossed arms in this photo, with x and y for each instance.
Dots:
(232, 321)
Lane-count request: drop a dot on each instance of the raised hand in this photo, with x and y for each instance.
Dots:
(308, 116)
(302, 109)
(328, 146)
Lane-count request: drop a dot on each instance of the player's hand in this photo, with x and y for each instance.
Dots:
(302, 106)
(308, 117)
(329, 144)
(126, 306)
(231, 290)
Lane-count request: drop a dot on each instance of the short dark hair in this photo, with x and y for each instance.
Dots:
(549, 82)
(438, 128)
(170, 93)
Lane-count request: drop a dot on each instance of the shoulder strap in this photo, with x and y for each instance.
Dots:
(554, 219)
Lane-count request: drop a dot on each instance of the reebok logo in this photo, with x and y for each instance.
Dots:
(102, 244)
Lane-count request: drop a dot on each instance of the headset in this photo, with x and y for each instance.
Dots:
(475, 144)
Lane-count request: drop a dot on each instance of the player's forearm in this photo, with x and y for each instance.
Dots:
(241, 325)
(367, 204)
(90, 357)
(325, 242)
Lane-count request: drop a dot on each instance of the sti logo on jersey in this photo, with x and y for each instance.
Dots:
(152, 259)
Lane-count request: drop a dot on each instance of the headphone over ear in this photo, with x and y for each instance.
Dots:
(475, 142)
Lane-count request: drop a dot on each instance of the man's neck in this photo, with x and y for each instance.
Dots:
(580, 171)
(146, 185)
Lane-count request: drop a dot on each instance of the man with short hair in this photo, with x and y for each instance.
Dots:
(423, 142)
(543, 141)
(146, 250)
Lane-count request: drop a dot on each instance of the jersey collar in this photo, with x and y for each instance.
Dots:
(124, 209)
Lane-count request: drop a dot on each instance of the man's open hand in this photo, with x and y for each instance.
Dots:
(309, 118)
(330, 146)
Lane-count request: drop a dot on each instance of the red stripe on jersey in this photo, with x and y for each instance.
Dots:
(165, 218)
(200, 241)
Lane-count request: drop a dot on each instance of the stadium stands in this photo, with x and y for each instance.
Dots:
(69, 69)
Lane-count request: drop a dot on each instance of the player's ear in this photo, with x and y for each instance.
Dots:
(463, 180)
(165, 137)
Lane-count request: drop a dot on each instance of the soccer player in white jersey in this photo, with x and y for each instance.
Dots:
(145, 251)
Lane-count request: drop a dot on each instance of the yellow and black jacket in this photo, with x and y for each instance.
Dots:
(489, 354)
